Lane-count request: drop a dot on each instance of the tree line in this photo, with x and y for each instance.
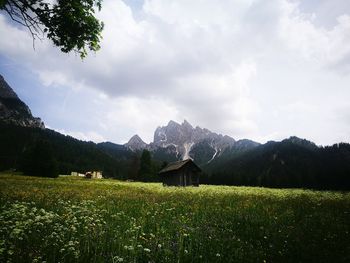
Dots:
(286, 165)
(44, 152)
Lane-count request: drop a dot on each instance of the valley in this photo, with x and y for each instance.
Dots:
(291, 163)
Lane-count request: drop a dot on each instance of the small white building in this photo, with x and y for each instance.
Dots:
(77, 174)
(94, 175)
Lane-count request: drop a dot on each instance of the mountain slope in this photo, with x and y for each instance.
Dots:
(71, 154)
(15, 111)
(136, 144)
(291, 163)
(115, 150)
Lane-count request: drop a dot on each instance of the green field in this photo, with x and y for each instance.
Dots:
(79, 220)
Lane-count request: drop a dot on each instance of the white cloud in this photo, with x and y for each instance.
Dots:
(226, 65)
(325, 47)
(85, 136)
(141, 116)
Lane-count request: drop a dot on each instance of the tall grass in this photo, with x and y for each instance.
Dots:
(77, 220)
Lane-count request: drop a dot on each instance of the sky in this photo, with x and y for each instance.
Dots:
(256, 69)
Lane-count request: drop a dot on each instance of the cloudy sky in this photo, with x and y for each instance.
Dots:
(257, 69)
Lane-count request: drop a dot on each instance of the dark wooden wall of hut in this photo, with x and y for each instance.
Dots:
(186, 176)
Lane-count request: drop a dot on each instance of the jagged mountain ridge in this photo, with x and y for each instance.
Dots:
(13, 110)
(182, 141)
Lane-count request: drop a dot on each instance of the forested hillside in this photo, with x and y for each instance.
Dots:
(291, 163)
(69, 153)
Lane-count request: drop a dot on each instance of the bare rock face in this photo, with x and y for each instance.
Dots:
(136, 144)
(15, 111)
(182, 141)
(5, 90)
(186, 139)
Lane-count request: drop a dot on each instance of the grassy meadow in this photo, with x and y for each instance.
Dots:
(78, 220)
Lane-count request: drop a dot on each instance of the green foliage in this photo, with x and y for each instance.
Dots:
(77, 220)
(38, 160)
(149, 168)
(70, 24)
(292, 163)
(145, 163)
(71, 154)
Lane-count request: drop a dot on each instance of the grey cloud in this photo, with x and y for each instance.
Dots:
(342, 65)
(191, 63)
(325, 11)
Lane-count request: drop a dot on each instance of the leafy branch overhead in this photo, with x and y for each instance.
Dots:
(70, 24)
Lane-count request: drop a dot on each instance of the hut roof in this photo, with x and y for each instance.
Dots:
(177, 165)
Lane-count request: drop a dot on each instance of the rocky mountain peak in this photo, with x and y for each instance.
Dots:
(186, 125)
(136, 143)
(173, 124)
(183, 138)
(173, 133)
(182, 141)
(15, 111)
(6, 92)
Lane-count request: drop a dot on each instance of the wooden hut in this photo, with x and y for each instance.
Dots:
(181, 173)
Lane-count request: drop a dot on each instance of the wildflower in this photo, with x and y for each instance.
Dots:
(147, 250)
(217, 255)
(118, 259)
(129, 247)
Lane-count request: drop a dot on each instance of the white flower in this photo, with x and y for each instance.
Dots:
(118, 259)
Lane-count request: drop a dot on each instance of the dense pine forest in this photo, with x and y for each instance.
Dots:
(292, 163)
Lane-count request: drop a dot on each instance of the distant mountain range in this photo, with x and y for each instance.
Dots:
(293, 162)
(182, 141)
